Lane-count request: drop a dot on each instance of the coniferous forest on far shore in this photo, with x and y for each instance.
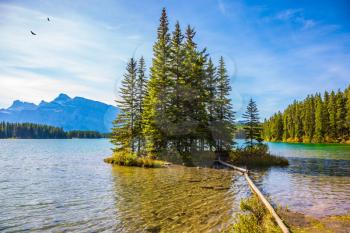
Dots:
(39, 131)
(316, 119)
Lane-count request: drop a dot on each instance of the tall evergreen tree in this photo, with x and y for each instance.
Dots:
(124, 131)
(211, 88)
(252, 124)
(340, 115)
(314, 119)
(224, 124)
(141, 91)
(176, 57)
(319, 122)
(156, 115)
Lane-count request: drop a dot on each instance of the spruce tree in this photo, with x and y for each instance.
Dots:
(176, 73)
(347, 107)
(156, 115)
(224, 119)
(211, 88)
(340, 115)
(252, 126)
(141, 91)
(124, 131)
(319, 122)
(332, 116)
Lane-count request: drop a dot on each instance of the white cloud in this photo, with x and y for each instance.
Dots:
(288, 14)
(69, 54)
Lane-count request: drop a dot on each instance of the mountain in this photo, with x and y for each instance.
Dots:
(69, 113)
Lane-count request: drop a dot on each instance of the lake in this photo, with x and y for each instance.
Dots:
(63, 185)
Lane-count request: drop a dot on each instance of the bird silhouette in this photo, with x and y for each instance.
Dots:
(33, 33)
(48, 19)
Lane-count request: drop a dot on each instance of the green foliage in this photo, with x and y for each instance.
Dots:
(30, 130)
(127, 158)
(184, 107)
(252, 126)
(222, 125)
(256, 218)
(256, 156)
(84, 134)
(38, 131)
(316, 119)
(124, 132)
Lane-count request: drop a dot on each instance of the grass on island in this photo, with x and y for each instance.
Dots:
(255, 218)
(124, 158)
(256, 156)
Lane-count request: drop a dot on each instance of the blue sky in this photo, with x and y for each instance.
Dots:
(276, 51)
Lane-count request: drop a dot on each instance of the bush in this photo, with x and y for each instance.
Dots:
(255, 219)
(256, 156)
(125, 158)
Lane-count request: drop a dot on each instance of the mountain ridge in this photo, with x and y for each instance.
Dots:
(76, 113)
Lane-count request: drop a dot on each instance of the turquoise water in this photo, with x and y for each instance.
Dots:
(63, 185)
(317, 181)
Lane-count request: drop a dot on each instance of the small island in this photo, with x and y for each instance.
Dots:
(183, 111)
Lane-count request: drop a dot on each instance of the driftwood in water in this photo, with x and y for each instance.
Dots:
(268, 206)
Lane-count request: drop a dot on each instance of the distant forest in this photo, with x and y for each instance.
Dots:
(316, 119)
(37, 131)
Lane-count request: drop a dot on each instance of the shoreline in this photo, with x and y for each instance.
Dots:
(312, 143)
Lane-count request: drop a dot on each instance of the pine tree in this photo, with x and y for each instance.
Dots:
(156, 115)
(176, 57)
(124, 130)
(141, 91)
(224, 119)
(340, 115)
(319, 122)
(211, 88)
(332, 131)
(252, 124)
(347, 107)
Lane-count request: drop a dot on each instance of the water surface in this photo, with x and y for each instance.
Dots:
(63, 185)
(317, 181)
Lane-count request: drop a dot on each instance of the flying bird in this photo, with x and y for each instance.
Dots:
(48, 19)
(33, 33)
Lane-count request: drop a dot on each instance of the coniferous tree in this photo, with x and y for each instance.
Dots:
(224, 119)
(141, 92)
(315, 119)
(176, 57)
(252, 124)
(124, 131)
(347, 109)
(156, 112)
(211, 87)
(319, 122)
(332, 130)
(185, 106)
(340, 115)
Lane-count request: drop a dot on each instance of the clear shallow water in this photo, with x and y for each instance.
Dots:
(317, 181)
(63, 185)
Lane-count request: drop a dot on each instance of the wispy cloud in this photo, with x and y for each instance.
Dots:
(72, 51)
(296, 16)
(274, 54)
(288, 14)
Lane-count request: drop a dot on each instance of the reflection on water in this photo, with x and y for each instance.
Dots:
(63, 185)
(317, 181)
(177, 199)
